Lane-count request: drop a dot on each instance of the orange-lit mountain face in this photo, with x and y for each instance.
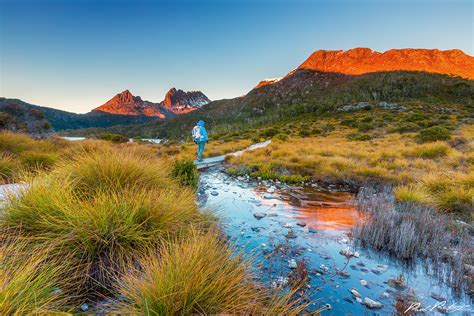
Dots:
(176, 102)
(364, 60)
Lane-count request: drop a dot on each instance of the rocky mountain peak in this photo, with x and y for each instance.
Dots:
(362, 60)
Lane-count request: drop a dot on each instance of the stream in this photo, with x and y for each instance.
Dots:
(280, 226)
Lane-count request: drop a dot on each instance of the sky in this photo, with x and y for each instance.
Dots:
(74, 55)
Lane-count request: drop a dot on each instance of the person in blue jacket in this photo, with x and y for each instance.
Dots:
(200, 138)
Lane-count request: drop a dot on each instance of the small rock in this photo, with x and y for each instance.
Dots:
(370, 303)
(347, 252)
(356, 254)
(355, 293)
(344, 240)
(272, 214)
(214, 193)
(288, 225)
(312, 230)
(385, 294)
(324, 268)
(292, 264)
(290, 234)
(268, 196)
(343, 273)
(259, 216)
(438, 297)
(301, 224)
(84, 307)
(358, 299)
(264, 245)
(327, 306)
(271, 190)
(363, 282)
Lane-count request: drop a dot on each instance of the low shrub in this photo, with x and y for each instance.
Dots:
(114, 138)
(281, 136)
(359, 137)
(185, 171)
(432, 134)
(270, 132)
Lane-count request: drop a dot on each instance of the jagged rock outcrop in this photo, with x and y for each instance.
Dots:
(175, 102)
(179, 101)
(126, 103)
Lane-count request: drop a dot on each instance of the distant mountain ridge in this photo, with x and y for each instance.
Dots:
(175, 102)
(359, 61)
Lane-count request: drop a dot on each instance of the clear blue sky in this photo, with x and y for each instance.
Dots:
(76, 54)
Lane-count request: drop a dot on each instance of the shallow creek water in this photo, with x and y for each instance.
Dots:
(328, 214)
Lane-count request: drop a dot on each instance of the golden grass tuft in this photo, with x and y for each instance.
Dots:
(198, 275)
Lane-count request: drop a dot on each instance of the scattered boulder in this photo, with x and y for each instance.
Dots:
(354, 107)
(391, 106)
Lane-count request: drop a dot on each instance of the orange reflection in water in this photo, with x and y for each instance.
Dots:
(322, 210)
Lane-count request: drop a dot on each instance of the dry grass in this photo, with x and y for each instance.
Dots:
(198, 275)
(426, 173)
(27, 284)
(104, 209)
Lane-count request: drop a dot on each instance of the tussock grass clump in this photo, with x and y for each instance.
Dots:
(185, 171)
(112, 169)
(198, 275)
(104, 209)
(27, 284)
(432, 134)
(21, 154)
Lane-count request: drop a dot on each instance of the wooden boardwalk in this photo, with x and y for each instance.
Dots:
(213, 161)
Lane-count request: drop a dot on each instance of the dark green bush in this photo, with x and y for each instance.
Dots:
(304, 133)
(114, 138)
(281, 136)
(185, 171)
(365, 127)
(406, 127)
(432, 134)
(270, 132)
(360, 136)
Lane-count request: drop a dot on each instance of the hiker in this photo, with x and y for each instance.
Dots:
(200, 138)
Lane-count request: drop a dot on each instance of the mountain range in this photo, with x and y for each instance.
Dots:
(175, 102)
(123, 109)
(323, 82)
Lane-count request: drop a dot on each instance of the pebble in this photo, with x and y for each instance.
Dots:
(363, 282)
(271, 190)
(259, 216)
(301, 224)
(312, 230)
(84, 307)
(324, 268)
(370, 303)
(292, 263)
(290, 234)
(288, 225)
(385, 295)
(268, 196)
(347, 252)
(355, 293)
(214, 193)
